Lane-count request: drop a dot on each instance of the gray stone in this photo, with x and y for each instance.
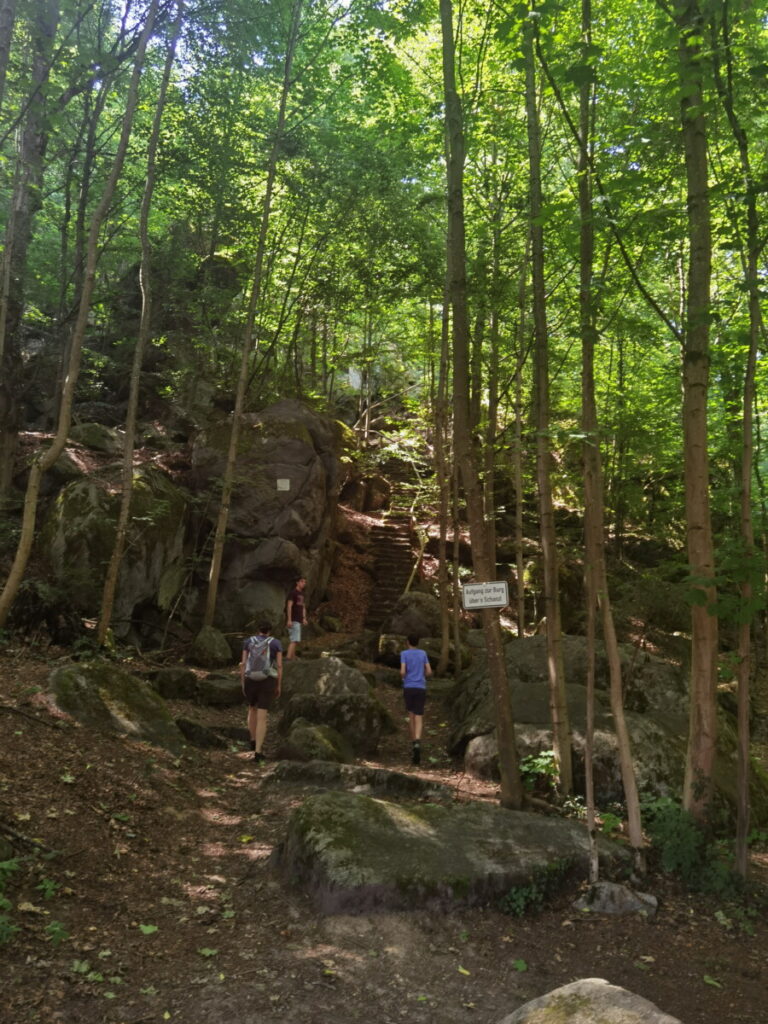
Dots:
(210, 649)
(358, 717)
(354, 853)
(379, 781)
(78, 534)
(323, 676)
(200, 735)
(174, 682)
(589, 1001)
(415, 613)
(106, 698)
(307, 741)
(220, 690)
(616, 900)
(97, 436)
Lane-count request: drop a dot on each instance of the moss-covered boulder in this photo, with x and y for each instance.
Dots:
(353, 853)
(358, 717)
(306, 741)
(104, 696)
(283, 506)
(220, 689)
(173, 682)
(210, 649)
(589, 1001)
(325, 677)
(97, 436)
(78, 534)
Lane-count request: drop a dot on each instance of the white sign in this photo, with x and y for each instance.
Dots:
(283, 484)
(485, 595)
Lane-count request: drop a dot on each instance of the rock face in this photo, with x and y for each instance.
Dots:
(353, 853)
(656, 719)
(589, 1001)
(327, 692)
(78, 534)
(281, 525)
(104, 697)
(283, 506)
(306, 741)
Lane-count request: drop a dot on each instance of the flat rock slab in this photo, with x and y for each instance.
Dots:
(589, 1001)
(353, 853)
(370, 781)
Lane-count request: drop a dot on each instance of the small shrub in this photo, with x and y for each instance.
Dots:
(531, 897)
(539, 772)
(687, 850)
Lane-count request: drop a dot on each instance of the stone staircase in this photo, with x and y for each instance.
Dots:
(392, 549)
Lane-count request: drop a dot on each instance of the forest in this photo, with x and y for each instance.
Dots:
(517, 246)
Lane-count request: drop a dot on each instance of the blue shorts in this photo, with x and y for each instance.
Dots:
(414, 696)
(294, 632)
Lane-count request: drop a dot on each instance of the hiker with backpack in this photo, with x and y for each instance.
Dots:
(261, 674)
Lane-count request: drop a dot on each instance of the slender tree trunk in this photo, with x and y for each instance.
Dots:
(247, 339)
(594, 499)
(45, 459)
(517, 457)
(25, 203)
(557, 703)
(745, 463)
(702, 737)
(121, 532)
(7, 20)
(444, 486)
(511, 788)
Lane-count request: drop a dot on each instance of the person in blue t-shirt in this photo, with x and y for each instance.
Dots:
(414, 670)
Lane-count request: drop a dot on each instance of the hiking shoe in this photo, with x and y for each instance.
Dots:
(252, 744)
(258, 757)
(416, 754)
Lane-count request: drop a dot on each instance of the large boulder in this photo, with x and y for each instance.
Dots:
(283, 505)
(354, 853)
(656, 720)
(358, 717)
(307, 741)
(325, 677)
(210, 649)
(107, 698)
(415, 612)
(78, 534)
(589, 1001)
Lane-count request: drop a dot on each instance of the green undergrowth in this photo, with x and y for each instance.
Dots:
(542, 886)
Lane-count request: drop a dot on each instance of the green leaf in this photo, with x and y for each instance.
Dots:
(709, 980)
(520, 965)
(148, 929)
(205, 951)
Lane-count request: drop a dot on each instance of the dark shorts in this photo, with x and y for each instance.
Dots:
(414, 696)
(261, 693)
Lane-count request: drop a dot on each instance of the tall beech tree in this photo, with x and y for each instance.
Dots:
(702, 738)
(466, 459)
(43, 460)
(145, 327)
(228, 482)
(558, 708)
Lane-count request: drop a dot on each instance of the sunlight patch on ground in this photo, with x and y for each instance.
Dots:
(218, 817)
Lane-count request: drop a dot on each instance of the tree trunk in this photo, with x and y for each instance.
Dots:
(121, 532)
(702, 737)
(557, 703)
(7, 20)
(444, 486)
(745, 462)
(44, 460)
(247, 338)
(25, 203)
(511, 788)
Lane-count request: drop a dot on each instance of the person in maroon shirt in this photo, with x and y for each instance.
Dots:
(295, 616)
